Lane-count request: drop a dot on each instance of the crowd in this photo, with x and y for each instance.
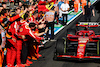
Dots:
(23, 28)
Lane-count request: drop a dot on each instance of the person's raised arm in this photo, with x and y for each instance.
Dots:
(17, 16)
(34, 36)
(40, 34)
(23, 12)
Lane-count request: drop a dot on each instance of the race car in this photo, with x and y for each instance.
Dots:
(80, 43)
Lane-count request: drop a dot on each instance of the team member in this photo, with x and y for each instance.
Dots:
(40, 16)
(11, 51)
(20, 4)
(59, 5)
(2, 45)
(4, 20)
(33, 18)
(4, 5)
(50, 16)
(84, 2)
(32, 45)
(56, 9)
(87, 12)
(64, 10)
(16, 1)
(25, 30)
(18, 41)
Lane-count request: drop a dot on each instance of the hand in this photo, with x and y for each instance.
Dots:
(3, 44)
(23, 37)
(40, 20)
(46, 30)
(83, 13)
(42, 38)
(38, 40)
(25, 10)
(14, 39)
(93, 15)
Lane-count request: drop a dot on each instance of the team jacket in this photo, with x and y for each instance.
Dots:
(6, 21)
(25, 30)
(32, 19)
(10, 19)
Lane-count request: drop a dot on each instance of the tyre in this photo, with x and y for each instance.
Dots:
(60, 46)
(98, 48)
(59, 49)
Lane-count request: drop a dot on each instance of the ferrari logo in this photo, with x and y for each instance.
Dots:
(21, 29)
(49, 6)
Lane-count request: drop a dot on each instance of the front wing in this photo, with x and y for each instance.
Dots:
(75, 57)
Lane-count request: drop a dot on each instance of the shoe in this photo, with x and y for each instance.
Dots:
(28, 62)
(9, 66)
(29, 58)
(20, 65)
(16, 66)
(33, 58)
(41, 45)
(39, 55)
(46, 38)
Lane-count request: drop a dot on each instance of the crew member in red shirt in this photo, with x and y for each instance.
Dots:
(32, 19)
(12, 41)
(25, 30)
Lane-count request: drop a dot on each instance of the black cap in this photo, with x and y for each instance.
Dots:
(3, 3)
(32, 24)
(1, 6)
(17, 8)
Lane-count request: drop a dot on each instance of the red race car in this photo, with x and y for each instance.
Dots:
(83, 44)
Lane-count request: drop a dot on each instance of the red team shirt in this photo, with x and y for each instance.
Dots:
(32, 19)
(25, 30)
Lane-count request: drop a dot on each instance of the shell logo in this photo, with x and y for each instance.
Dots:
(82, 45)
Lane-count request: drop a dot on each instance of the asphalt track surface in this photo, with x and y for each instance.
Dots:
(48, 52)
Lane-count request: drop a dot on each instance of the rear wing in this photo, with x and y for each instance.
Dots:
(88, 24)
